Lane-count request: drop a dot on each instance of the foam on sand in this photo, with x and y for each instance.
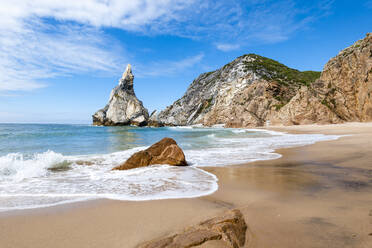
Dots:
(51, 178)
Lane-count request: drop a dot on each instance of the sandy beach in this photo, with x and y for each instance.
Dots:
(313, 196)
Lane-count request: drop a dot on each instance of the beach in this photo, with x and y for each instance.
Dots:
(316, 195)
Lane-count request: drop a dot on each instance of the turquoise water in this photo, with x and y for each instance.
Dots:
(87, 139)
(45, 165)
(73, 139)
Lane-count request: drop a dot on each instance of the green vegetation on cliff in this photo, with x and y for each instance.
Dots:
(273, 70)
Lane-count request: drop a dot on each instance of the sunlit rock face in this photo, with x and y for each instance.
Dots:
(123, 108)
(343, 92)
(246, 92)
(255, 91)
(166, 151)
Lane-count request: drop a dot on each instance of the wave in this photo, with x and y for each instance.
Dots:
(239, 150)
(87, 183)
(41, 180)
(50, 178)
(18, 166)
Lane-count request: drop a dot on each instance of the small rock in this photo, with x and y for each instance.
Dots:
(228, 229)
(82, 162)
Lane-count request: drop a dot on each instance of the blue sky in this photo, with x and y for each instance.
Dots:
(59, 60)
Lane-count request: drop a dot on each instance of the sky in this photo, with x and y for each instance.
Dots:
(59, 60)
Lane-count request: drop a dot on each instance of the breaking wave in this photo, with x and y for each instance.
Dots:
(50, 178)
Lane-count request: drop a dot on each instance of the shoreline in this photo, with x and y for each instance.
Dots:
(267, 152)
(67, 203)
(301, 176)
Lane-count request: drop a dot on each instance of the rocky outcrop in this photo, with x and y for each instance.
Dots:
(245, 92)
(343, 92)
(227, 230)
(153, 120)
(304, 108)
(254, 90)
(166, 151)
(123, 108)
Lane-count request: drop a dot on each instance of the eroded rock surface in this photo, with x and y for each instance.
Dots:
(254, 90)
(166, 151)
(227, 230)
(243, 93)
(123, 107)
(343, 92)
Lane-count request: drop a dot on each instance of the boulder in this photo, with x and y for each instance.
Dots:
(227, 230)
(166, 151)
(123, 107)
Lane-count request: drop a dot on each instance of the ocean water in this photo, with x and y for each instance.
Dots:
(48, 164)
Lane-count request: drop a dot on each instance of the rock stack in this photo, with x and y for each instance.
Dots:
(123, 108)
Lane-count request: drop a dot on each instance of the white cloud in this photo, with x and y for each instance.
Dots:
(43, 39)
(242, 22)
(167, 68)
(129, 15)
(266, 21)
(39, 51)
(227, 47)
(236, 24)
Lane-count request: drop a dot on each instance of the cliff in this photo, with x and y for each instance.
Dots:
(123, 107)
(253, 90)
(245, 92)
(343, 92)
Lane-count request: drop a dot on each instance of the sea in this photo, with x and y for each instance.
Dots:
(44, 165)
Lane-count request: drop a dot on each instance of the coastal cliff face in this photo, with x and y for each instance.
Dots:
(342, 93)
(245, 92)
(123, 108)
(252, 90)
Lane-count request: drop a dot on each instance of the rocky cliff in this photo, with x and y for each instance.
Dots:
(123, 107)
(343, 92)
(245, 92)
(252, 90)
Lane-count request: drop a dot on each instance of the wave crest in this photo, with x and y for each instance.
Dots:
(18, 166)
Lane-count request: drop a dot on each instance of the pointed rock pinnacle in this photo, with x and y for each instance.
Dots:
(126, 81)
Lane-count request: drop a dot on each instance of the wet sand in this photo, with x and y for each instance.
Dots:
(314, 196)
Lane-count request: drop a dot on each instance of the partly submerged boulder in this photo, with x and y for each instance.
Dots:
(227, 230)
(166, 151)
(123, 108)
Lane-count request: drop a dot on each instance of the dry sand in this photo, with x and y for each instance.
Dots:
(314, 196)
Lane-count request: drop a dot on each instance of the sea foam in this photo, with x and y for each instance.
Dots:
(50, 178)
